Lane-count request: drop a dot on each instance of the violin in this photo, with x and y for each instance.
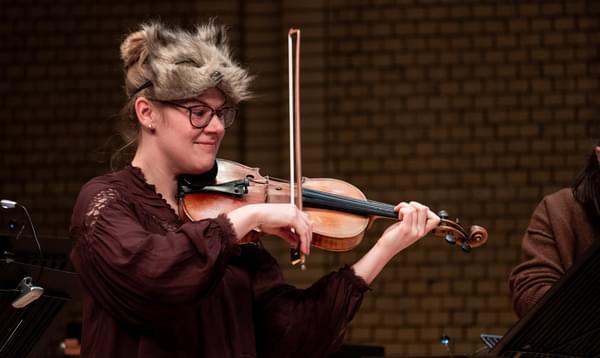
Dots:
(339, 211)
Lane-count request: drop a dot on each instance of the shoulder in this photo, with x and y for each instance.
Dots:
(99, 192)
(561, 200)
(563, 195)
(561, 208)
(112, 184)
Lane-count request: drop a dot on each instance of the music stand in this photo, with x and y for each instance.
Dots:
(566, 320)
(21, 329)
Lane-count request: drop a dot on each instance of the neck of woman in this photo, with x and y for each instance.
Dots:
(164, 181)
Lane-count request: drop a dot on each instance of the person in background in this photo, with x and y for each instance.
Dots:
(563, 226)
(154, 286)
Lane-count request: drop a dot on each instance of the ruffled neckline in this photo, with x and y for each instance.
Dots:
(150, 188)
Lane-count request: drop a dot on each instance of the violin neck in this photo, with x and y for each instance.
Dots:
(321, 200)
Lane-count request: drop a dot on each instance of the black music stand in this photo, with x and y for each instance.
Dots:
(566, 320)
(22, 329)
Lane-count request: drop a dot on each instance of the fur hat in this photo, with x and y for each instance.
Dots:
(177, 64)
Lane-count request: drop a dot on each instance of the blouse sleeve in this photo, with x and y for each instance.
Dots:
(293, 322)
(138, 276)
(541, 263)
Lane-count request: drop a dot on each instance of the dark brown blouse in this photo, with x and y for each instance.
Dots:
(154, 287)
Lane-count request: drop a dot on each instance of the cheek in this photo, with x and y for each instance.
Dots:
(176, 131)
(175, 142)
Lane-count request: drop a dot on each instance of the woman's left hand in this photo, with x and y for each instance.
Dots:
(415, 221)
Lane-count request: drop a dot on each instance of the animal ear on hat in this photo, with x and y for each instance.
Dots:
(134, 49)
(212, 34)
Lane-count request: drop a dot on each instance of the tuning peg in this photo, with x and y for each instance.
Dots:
(443, 214)
(466, 247)
(450, 238)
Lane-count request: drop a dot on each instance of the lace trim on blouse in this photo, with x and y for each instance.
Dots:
(154, 207)
(137, 171)
(166, 225)
(99, 202)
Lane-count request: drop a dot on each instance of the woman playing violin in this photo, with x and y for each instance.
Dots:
(154, 286)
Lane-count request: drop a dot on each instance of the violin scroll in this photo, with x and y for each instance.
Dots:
(455, 234)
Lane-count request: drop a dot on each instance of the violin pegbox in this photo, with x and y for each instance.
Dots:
(454, 234)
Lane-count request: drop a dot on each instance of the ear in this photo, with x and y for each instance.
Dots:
(597, 150)
(146, 113)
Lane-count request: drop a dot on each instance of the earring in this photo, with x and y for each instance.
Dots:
(151, 127)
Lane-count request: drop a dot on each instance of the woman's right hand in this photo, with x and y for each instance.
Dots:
(283, 220)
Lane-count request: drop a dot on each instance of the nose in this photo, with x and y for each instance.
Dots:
(215, 124)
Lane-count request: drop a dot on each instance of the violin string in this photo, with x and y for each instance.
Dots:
(381, 205)
(360, 206)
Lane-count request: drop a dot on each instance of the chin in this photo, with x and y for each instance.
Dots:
(201, 159)
(203, 165)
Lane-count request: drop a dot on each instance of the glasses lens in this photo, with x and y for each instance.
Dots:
(227, 116)
(200, 116)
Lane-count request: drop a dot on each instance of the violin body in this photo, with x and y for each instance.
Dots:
(340, 212)
(332, 230)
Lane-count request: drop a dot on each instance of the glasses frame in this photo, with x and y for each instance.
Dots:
(213, 112)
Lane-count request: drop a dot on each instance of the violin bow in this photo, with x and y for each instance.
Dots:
(296, 257)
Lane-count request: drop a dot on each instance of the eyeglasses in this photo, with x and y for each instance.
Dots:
(200, 115)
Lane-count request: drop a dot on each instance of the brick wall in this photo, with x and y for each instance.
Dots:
(479, 108)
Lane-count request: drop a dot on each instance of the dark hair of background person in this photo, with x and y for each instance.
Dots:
(587, 188)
